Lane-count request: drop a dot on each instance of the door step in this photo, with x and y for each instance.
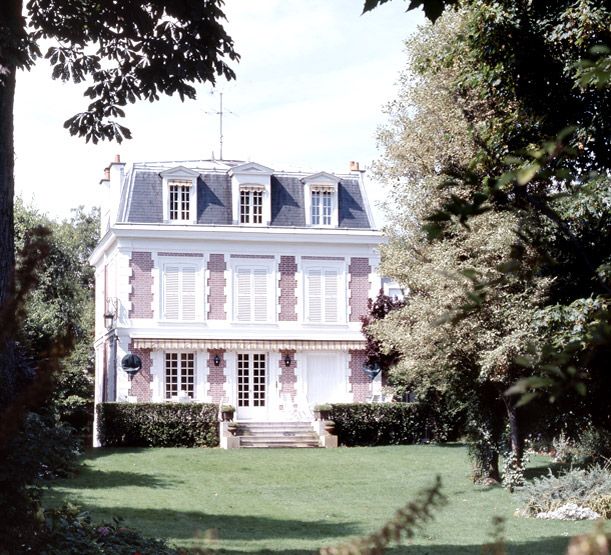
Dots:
(267, 435)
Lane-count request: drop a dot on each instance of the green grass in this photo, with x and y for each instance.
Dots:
(294, 501)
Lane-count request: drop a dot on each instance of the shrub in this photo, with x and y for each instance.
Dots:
(67, 531)
(365, 424)
(589, 488)
(158, 425)
(593, 445)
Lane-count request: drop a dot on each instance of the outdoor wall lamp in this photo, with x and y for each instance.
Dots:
(109, 319)
(287, 360)
(131, 364)
(216, 360)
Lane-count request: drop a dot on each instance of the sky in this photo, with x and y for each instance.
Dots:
(311, 84)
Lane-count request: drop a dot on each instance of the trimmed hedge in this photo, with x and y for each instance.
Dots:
(365, 424)
(158, 424)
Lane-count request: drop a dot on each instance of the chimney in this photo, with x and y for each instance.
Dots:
(354, 166)
(107, 174)
(117, 159)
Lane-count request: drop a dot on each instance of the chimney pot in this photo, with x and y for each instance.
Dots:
(117, 159)
(107, 174)
(354, 166)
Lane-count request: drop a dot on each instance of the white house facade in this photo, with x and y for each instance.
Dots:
(235, 284)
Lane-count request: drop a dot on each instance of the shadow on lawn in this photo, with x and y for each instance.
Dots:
(545, 546)
(185, 525)
(100, 479)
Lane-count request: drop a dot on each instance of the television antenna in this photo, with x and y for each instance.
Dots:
(220, 114)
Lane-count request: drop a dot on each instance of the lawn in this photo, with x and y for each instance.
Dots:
(294, 501)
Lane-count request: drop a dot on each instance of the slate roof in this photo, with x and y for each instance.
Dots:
(142, 199)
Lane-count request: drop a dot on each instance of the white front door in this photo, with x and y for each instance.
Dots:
(252, 386)
(326, 380)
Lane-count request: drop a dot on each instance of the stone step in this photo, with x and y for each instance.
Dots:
(276, 435)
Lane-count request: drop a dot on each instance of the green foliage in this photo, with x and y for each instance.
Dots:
(68, 531)
(432, 8)
(584, 487)
(158, 424)
(371, 424)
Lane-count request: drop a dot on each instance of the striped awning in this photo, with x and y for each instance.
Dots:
(248, 344)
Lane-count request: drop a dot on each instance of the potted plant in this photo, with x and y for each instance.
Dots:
(227, 412)
(322, 412)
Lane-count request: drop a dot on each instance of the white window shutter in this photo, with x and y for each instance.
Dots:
(315, 299)
(171, 307)
(243, 294)
(331, 294)
(189, 303)
(260, 297)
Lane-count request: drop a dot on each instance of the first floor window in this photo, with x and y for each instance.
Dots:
(180, 200)
(179, 375)
(180, 292)
(322, 295)
(321, 207)
(251, 294)
(251, 206)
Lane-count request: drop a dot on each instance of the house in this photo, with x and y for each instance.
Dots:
(234, 283)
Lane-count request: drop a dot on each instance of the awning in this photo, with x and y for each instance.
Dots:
(248, 344)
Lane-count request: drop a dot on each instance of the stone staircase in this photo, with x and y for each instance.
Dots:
(276, 435)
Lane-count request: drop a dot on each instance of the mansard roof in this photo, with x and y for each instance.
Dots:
(142, 193)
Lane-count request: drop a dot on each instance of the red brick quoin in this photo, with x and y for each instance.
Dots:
(288, 377)
(141, 384)
(216, 283)
(216, 375)
(361, 385)
(141, 280)
(288, 283)
(359, 270)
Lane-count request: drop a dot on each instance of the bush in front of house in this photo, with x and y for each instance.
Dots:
(369, 424)
(158, 424)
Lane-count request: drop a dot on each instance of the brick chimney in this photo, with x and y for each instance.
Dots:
(354, 166)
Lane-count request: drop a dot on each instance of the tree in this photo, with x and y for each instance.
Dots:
(126, 51)
(59, 308)
(466, 236)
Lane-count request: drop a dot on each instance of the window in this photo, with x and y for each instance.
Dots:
(180, 292)
(179, 375)
(322, 203)
(179, 197)
(323, 299)
(251, 206)
(251, 294)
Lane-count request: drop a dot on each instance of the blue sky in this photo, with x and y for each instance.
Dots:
(310, 88)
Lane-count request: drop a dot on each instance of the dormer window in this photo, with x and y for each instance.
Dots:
(251, 205)
(321, 204)
(251, 194)
(180, 200)
(179, 195)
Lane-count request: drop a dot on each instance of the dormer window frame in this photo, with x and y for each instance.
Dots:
(185, 180)
(250, 177)
(252, 211)
(318, 189)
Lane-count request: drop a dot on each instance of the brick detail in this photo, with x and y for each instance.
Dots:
(216, 287)
(361, 385)
(359, 270)
(216, 376)
(267, 256)
(287, 268)
(188, 254)
(288, 377)
(141, 281)
(322, 258)
(141, 383)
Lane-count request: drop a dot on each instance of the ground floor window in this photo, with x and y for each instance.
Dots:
(251, 379)
(179, 375)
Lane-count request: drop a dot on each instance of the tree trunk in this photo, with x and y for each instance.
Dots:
(517, 441)
(10, 20)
